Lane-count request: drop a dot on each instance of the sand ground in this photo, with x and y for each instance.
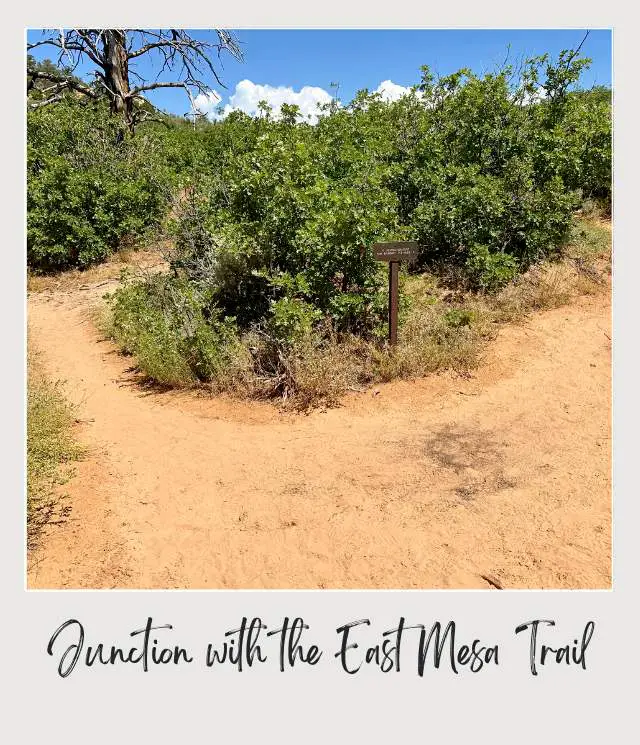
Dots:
(499, 479)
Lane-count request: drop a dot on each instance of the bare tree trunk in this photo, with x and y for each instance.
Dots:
(116, 74)
(111, 51)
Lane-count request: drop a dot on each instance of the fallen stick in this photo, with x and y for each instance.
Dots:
(492, 581)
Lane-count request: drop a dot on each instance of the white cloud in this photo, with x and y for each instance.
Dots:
(536, 97)
(391, 91)
(248, 94)
(207, 103)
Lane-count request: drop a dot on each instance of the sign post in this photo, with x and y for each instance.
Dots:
(393, 254)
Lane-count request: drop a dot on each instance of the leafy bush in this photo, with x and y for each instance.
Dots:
(88, 186)
(292, 319)
(273, 219)
(489, 271)
(266, 217)
(173, 331)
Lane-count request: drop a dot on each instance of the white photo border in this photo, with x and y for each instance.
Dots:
(195, 704)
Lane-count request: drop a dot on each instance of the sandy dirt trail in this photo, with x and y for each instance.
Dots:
(438, 483)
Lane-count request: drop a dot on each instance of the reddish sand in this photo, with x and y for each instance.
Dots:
(503, 478)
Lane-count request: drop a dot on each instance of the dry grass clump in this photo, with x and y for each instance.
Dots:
(51, 447)
(543, 287)
(321, 374)
(316, 370)
(583, 268)
(435, 336)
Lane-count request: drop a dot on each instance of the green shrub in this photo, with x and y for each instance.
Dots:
(272, 266)
(292, 319)
(173, 331)
(267, 227)
(489, 271)
(456, 318)
(88, 186)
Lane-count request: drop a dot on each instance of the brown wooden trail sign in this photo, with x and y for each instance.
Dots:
(394, 253)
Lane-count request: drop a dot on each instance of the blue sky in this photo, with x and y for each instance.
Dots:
(299, 65)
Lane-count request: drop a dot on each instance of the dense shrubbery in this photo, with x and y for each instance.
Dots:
(484, 173)
(89, 186)
(179, 338)
(274, 217)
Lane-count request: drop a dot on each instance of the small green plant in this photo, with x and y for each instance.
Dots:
(292, 320)
(489, 271)
(458, 317)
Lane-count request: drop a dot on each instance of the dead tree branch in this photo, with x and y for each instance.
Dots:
(114, 52)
